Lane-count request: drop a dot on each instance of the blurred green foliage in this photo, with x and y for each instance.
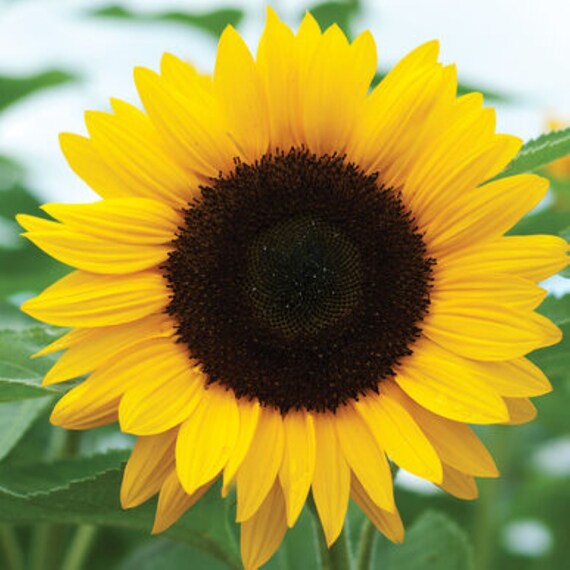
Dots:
(46, 492)
(339, 13)
(212, 22)
(14, 88)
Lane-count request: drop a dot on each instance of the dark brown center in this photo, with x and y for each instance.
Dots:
(298, 281)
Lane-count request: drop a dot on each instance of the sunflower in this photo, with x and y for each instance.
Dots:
(291, 278)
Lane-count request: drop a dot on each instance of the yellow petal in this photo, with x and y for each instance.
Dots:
(93, 347)
(397, 432)
(84, 299)
(87, 163)
(297, 469)
(306, 42)
(192, 124)
(92, 401)
(432, 109)
(133, 150)
(34, 224)
(71, 338)
(488, 331)
(137, 221)
(533, 257)
(463, 165)
(388, 523)
(207, 438)
(182, 75)
(484, 213)
(98, 256)
(451, 127)
(278, 72)
(517, 378)
(173, 502)
(259, 468)
(262, 534)
(521, 411)
(159, 402)
(242, 99)
(150, 463)
(445, 384)
(331, 481)
(248, 418)
(458, 484)
(367, 460)
(460, 284)
(91, 412)
(334, 83)
(387, 125)
(455, 443)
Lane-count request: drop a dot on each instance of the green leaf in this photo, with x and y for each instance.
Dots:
(21, 376)
(160, 553)
(12, 318)
(546, 221)
(85, 490)
(551, 219)
(10, 172)
(12, 390)
(539, 152)
(555, 360)
(340, 13)
(557, 309)
(41, 480)
(212, 22)
(13, 89)
(560, 189)
(434, 542)
(16, 199)
(565, 233)
(15, 420)
(566, 273)
(29, 269)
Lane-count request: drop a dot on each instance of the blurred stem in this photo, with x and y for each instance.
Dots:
(45, 546)
(486, 521)
(79, 548)
(337, 557)
(47, 538)
(366, 545)
(11, 547)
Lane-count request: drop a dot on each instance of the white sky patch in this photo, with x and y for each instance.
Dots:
(553, 458)
(410, 482)
(530, 538)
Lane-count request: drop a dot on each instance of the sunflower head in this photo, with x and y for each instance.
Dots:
(292, 279)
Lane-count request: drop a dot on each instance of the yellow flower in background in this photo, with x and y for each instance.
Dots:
(290, 279)
(559, 168)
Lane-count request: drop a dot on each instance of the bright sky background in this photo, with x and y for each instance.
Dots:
(516, 46)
